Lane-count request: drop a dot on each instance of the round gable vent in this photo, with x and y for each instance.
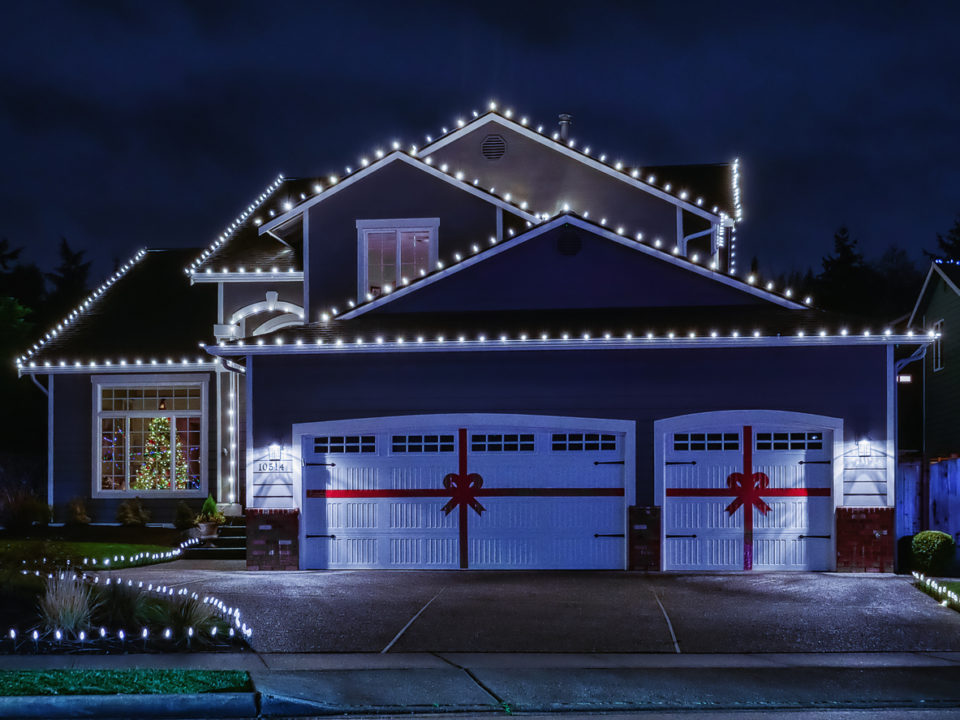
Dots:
(493, 147)
(569, 242)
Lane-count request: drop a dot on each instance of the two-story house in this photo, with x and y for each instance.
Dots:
(497, 349)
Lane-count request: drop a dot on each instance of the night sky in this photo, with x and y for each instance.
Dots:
(125, 125)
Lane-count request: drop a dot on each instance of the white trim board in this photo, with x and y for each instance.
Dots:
(493, 117)
(396, 155)
(211, 276)
(569, 219)
(923, 290)
(117, 367)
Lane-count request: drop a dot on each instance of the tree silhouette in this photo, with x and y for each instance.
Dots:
(948, 245)
(69, 279)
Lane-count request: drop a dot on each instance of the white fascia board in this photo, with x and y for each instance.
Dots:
(565, 219)
(571, 153)
(598, 343)
(382, 162)
(246, 277)
(117, 367)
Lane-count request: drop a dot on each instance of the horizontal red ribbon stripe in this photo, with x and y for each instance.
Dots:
(727, 492)
(487, 492)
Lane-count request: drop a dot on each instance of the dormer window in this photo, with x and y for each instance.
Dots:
(391, 253)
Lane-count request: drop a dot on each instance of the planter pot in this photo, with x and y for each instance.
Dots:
(208, 530)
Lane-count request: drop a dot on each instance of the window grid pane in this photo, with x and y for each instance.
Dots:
(328, 444)
(511, 442)
(113, 454)
(422, 443)
(789, 441)
(587, 442)
(706, 441)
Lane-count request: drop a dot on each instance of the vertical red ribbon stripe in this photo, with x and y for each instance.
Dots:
(748, 490)
(463, 488)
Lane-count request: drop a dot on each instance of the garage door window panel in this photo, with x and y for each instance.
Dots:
(509, 442)
(344, 444)
(420, 444)
(702, 441)
(583, 442)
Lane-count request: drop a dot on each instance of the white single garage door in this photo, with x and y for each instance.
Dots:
(747, 497)
(481, 492)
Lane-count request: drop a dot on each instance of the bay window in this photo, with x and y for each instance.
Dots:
(392, 253)
(150, 436)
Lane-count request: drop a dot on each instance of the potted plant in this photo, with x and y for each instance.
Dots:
(209, 519)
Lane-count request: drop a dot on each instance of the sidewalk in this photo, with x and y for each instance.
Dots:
(363, 683)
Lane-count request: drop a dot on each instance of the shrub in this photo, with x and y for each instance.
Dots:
(932, 551)
(21, 507)
(183, 612)
(120, 606)
(77, 512)
(184, 518)
(210, 513)
(67, 603)
(132, 512)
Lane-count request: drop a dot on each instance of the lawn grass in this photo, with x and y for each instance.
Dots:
(112, 682)
(14, 552)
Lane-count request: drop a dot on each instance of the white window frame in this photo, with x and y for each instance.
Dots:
(179, 380)
(364, 227)
(938, 346)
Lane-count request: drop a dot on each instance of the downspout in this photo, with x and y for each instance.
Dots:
(48, 391)
(39, 385)
(919, 354)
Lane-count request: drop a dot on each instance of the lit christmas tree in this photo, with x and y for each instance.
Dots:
(154, 473)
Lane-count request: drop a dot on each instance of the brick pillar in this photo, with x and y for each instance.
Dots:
(643, 534)
(865, 539)
(273, 539)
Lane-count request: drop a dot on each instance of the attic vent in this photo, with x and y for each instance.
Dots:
(493, 147)
(569, 243)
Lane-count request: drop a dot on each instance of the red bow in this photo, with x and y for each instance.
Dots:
(747, 489)
(463, 491)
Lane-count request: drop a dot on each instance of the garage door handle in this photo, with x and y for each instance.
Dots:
(822, 537)
(608, 462)
(678, 462)
(320, 464)
(332, 537)
(815, 462)
(673, 536)
(596, 535)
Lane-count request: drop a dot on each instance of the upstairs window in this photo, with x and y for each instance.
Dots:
(938, 346)
(392, 253)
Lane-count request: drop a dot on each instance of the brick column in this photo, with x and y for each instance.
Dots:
(865, 539)
(273, 539)
(643, 534)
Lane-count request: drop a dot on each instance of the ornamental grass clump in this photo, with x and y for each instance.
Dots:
(932, 551)
(184, 612)
(67, 604)
(120, 606)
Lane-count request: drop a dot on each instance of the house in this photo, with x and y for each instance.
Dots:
(499, 349)
(934, 389)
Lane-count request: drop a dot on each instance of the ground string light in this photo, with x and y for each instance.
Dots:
(947, 597)
(78, 311)
(139, 559)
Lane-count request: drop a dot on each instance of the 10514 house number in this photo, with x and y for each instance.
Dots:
(273, 466)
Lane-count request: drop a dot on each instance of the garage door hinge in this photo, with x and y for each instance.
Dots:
(822, 537)
(597, 535)
(319, 464)
(680, 462)
(608, 462)
(332, 537)
(675, 536)
(815, 462)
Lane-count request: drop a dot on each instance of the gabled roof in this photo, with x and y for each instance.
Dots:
(641, 179)
(147, 311)
(584, 224)
(397, 156)
(948, 271)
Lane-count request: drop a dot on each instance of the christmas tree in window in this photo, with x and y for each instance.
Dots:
(154, 473)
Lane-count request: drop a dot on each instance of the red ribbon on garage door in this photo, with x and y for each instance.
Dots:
(463, 488)
(747, 489)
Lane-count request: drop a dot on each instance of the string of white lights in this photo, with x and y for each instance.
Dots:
(80, 309)
(946, 595)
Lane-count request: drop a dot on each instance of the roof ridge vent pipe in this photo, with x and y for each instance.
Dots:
(566, 120)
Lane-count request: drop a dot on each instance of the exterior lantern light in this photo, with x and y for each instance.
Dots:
(275, 451)
(863, 447)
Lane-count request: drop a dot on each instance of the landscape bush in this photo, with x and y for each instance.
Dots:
(184, 517)
(67, 603)
(183, 612)
(77, 512)
(132, 513)
(932, 551)
(210, 513)
(121, 606)
(21, 508)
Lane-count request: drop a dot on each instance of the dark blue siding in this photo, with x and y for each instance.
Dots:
(644, 385)
(602, 274)
(73, 445)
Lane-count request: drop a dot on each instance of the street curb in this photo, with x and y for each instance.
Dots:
(206, 705)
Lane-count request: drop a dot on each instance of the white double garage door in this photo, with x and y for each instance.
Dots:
(486, 491)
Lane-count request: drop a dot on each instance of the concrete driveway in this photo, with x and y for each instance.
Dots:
(572, 612)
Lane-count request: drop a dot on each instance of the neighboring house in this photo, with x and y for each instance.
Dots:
(935, 415)
(497, 350)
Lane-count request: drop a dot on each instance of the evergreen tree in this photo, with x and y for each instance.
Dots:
(845, 281)
(154, 473)
(69, 279)
(948, 245)
(8, 255)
